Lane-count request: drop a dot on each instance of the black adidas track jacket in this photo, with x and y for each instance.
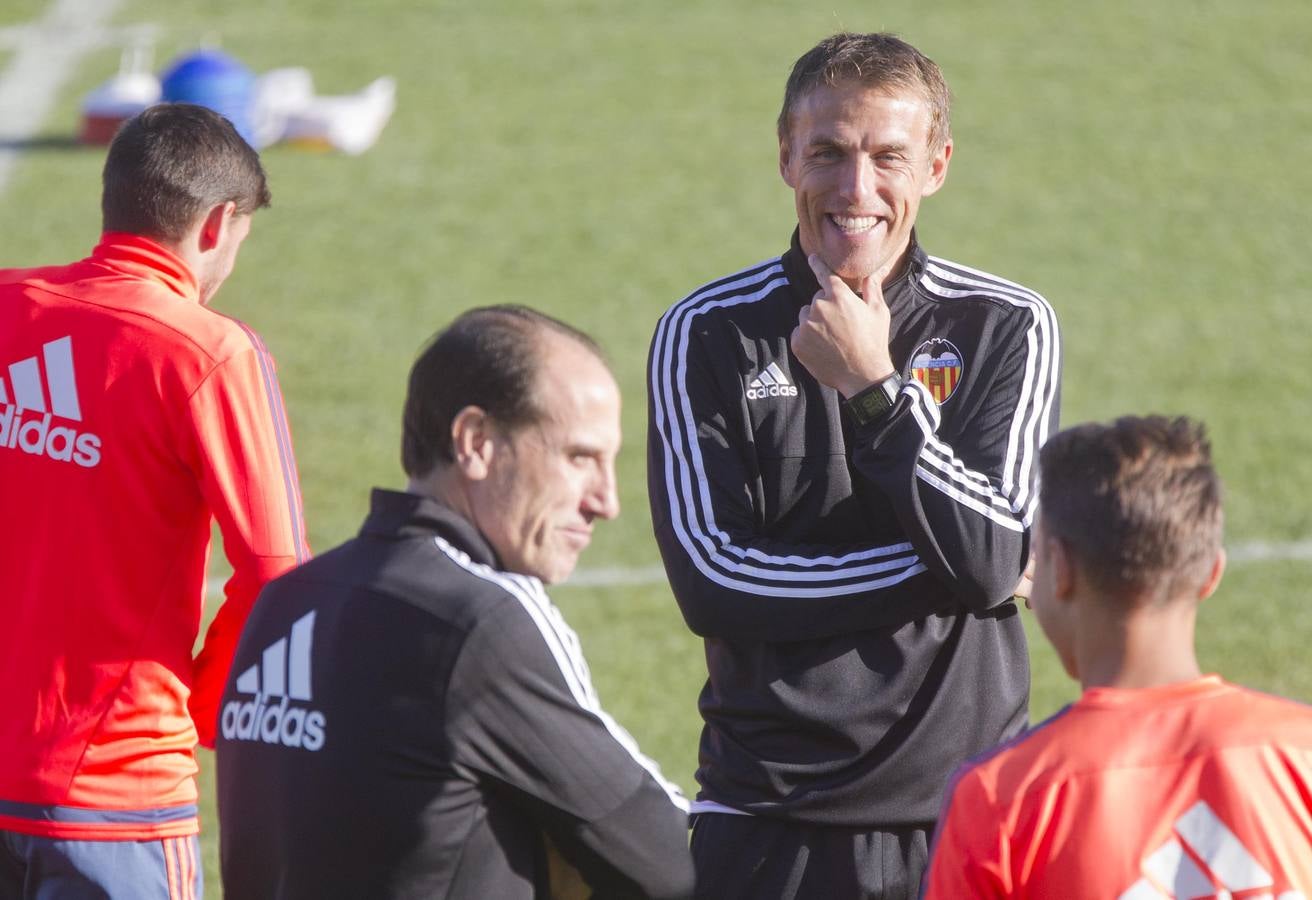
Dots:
(851, 584)
(404, 720)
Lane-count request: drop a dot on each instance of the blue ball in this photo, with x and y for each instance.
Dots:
(213, 79)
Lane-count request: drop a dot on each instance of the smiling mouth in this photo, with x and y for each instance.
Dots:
(854, 224)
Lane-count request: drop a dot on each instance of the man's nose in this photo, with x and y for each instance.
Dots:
(857, 180)
(603, 499)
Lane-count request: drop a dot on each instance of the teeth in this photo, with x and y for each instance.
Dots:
(854, 224)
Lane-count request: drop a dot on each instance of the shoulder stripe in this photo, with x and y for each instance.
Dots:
(743, 276)
(692, 513)
(1039, 383)
(286, 460)
(564, 646)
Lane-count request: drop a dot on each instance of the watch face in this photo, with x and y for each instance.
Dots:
(874, 402)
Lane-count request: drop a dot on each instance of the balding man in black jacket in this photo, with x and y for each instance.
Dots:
(408, 715)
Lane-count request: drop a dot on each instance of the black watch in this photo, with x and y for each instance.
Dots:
(867, 405)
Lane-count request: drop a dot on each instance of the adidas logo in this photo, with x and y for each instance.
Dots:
(1203, 858)
(772, 382)
(280, 676)
(34, 435)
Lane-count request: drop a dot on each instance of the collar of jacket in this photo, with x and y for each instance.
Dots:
(140, 257)
(802, 280)
(396, 515)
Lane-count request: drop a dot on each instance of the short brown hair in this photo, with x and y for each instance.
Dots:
(1137, 502)
(171, 164)
(488, 357)
(877, 60)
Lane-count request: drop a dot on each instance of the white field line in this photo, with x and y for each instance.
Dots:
(615, 576)
(611, 576)
(44, 54)
(644, 576)
(1265, 551)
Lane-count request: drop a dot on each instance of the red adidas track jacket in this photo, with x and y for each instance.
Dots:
(129, 416)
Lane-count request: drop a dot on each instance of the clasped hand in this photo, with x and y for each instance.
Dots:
(842, 338)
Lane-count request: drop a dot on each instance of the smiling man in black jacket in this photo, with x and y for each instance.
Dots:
(842, 456)
(408, 715)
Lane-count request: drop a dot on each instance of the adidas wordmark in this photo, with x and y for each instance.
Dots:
(35, 435)
(270, 715)
(772, 382)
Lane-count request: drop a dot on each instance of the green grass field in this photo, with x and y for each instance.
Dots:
(1141, 164)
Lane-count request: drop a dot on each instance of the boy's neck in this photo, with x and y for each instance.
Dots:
(1142, 647)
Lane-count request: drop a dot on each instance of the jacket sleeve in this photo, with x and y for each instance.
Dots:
(243, 456)
(967, 858)
(967, 499)
(730, 579)
(524, 718)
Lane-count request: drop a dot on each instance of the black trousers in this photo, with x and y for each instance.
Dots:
(757, 858)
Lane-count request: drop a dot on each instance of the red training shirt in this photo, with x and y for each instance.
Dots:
(1188, 790)
(129, 415)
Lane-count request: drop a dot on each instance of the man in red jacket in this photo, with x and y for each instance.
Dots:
(130, 414)
(1159, 782)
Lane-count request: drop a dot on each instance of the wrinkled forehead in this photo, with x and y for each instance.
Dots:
(575, 393)
(827, 112)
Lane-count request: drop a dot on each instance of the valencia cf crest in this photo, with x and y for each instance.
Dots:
(937, 364)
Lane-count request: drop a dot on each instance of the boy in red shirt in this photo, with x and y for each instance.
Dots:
(1159, 782)
(130, 416)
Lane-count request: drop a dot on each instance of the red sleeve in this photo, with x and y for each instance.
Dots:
(248, 478)
(969, 857)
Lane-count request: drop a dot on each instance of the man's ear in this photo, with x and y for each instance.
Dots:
(216, 224)
(473, 440)
(1064, 567)
(938, 168)
(1213, 579)
(785, 159)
